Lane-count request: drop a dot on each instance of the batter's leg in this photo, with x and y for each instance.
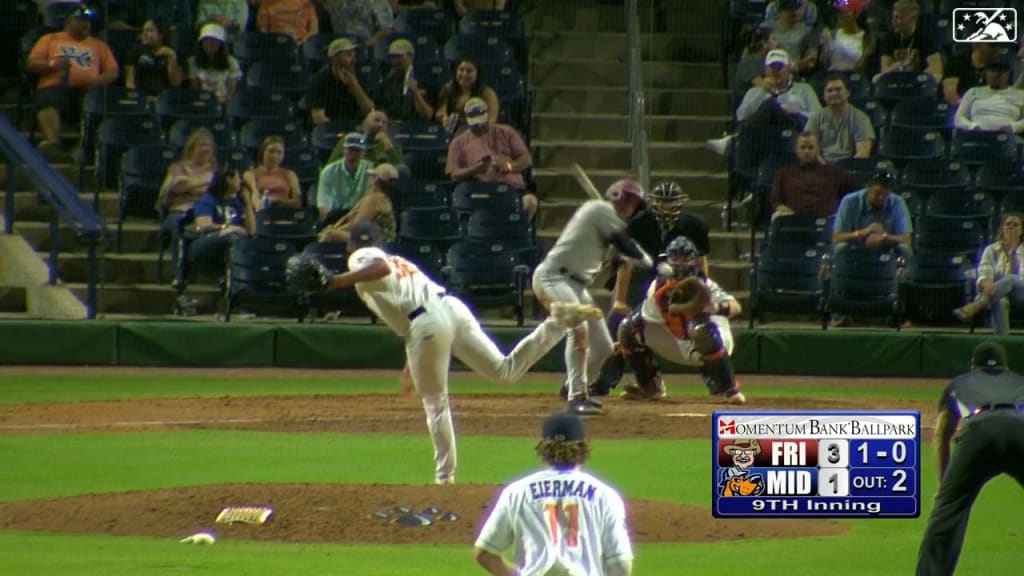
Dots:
(558, 289)
(428, 352)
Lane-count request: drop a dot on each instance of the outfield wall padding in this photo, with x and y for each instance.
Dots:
(810, 352)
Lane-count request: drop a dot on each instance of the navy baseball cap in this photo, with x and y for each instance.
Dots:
(989, 355)
(83, 12)
(1001, 60)
(882, 176)
(564, 428)
(366, 232)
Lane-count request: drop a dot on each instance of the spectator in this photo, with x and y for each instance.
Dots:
(269, 183)
(810, 187)
(798, 39)
(908, 47)
(778, 100)
(296, 18)
(380, 148)
(232, 15)
(750, 69)
(370, 20)
(153, 67)
(187, 179)
(375, 205)
(335, 93)
(807, 12)
(222, 215)
(490, 153)
(999, 280)
(463, 6)
(966, 70)
(873, 217)
(212, 68)
(343, 182)
(849, 47)
(995, 106)
(465, 84)
(69, 63)
(399, 93)
(843, 131)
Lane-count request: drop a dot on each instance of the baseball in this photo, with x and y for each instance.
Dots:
(199, 538)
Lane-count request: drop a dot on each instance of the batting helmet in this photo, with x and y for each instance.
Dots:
(619, 189)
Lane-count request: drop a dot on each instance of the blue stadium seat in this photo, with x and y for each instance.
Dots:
(935, 174)
(512, 229)
(294, 225)
(107, 102)
(765, 179)
(486, 275)
(430, 76)
(142, 173)
(434, 24)
(876, 113)
(116, 135)
(1000, 176)
(936, 283)
(427, 164)
(122, 41)
(438, 225)
(863, 282)
(291, 79)
(187, 104)
(927, 113)
(959, 204)
(902, 144)
(1013, 202)
(786, 277)
(473, 196)
(334, 255)
(259, 104)
(893, 87)
(256, 279)
(978, 147)
(753, 144)
(306, 165)
(423, 194)
(252, 47)
(862, 168)
(414, 136)
(425, 254)
(950, 235)
(427, 49)
(800, 231)
(501, 24)
(369, 73)
(478, 47)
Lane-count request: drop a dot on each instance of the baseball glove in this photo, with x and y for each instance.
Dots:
(689, 297)
(305, 273)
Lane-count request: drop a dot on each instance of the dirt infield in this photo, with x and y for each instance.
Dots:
(344, 513)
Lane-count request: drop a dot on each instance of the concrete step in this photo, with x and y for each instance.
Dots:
(558, 44)
(13, 300)
(68, 171)
(559, 126)
(588, 98)
(139, 236)
(558, 182)
(28, 207)
(146, 298)
(584, 69)
(115, 268)
(613, 155)
(680, 17)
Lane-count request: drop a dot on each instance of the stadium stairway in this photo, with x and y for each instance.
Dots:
(579, 82)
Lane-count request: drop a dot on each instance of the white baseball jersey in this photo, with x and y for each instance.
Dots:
(583, 243)
(394, 296)
(563, 522)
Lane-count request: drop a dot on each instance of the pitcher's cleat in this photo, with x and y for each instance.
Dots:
(736, 397)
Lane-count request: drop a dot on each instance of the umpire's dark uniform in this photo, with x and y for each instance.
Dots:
(990, 400)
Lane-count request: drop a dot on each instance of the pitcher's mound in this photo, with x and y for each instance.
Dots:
(345, 513)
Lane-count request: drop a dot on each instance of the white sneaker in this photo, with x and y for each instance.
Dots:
(719, 145)
(572, 314)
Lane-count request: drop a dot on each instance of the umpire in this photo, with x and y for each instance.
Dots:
(989, 399)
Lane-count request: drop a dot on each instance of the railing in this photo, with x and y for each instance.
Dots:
(53, 189)
(637, 103)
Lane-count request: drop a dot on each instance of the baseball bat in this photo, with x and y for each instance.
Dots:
(585, 182)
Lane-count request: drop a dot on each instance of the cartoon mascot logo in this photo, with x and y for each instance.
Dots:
(738, 480)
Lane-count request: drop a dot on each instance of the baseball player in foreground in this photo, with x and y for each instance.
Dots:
(568, 270)
(685, 319)
(560, 520)
(435, 326)
(989, 401)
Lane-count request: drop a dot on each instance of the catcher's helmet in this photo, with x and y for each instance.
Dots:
(683, 257)
(666, 200)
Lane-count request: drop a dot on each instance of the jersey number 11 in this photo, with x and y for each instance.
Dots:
(553, 511)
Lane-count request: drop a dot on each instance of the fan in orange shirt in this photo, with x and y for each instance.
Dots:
(68, 63)
(297, 18)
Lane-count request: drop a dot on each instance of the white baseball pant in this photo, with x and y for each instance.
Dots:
(448, 327)
(589, 344)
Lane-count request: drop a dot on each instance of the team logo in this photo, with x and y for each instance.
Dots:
(81, 58)
(984, 25)
(726, 426)
(742, 485)
(739, 480)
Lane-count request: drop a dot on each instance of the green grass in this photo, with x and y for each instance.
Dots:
(37, 466)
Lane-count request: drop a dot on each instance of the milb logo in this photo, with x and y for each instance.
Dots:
(984, 25)
(726, 426)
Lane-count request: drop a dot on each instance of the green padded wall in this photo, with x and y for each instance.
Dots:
(52, 342)
(840, 353)
(195, 344)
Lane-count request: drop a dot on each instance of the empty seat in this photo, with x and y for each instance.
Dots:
(250, 47)
(978, 146)
(800, 230)
(893, 87)
(422, 194)
(434, 24)
(256, 278)
(935, 174)
(863, 282)
(187, 104)
(960, 204)
(936, 283)
(862, 168)
(427, 164)
(291, 79)
(926, 113)
(294, 225)
(142, 173)
(950, 235)
(473, 196)
(116, 135)
(438, 225)
(511, 228)
(903, 143)
(486, 274)
(416, 136)
(259, 104)
(786, 277)
(481, 47)
(424, 254)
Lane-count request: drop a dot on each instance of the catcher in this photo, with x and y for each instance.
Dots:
(685, 319)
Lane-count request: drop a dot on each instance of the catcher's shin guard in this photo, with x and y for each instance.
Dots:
(649, 385)
(716, 365)
(611, 374)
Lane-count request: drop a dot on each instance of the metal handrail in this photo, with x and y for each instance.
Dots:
(637, 100)
(53, 189)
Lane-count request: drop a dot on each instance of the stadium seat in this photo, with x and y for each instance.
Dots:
(438, 225)
(255, 131)
(936, 283)
(950, 235)
(108, 102)
(306, 166)
(863, 282)
(484, 274)
(142, 173)
(223, 136)
(862, 168)
(960, 204)
(876, 113)
(902, 144)
(427, 165)
(294, 225)
(259, 104)
(187, 104)
(429, 137)
(501, 24)
(425, 254)
(801, 231)
(427, 49)
(434, 24)
(422, 194)
(976, 147)
(764, 181)
(512, 229)
(291, 79)
(927, 113)
(256, 279)
(430, 76)
(893, 87)
(472, 196)
(116, 135)
(252, 47)
(1013, 202)
(786, 277)
(327, 135)
(935, 174)
(334, 255)
(479, 47)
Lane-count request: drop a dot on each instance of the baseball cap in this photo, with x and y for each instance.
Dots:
(355, 140)
(882, 176)
(385, 171)
(1002, 60)
(620, 188)
(476, 111)
(789, 4)
(401, 46)
(340, 45)
(82, 11)
(365, 232)
(989, 355)
(564, 428)
(777, 56)
(215, 31)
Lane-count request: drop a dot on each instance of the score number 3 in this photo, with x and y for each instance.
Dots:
(553, 511)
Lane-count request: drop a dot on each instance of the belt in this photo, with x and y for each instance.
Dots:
(994, 407)
(574, 277)
(421, 310)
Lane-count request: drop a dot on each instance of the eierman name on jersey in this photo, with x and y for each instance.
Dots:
(562, 489)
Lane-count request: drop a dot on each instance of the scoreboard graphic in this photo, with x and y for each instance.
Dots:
(815, 464)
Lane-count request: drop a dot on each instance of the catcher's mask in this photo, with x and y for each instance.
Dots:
(683, 257)
(666, 201)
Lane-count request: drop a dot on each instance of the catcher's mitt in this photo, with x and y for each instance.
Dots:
(305, 273)
(689, 297)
